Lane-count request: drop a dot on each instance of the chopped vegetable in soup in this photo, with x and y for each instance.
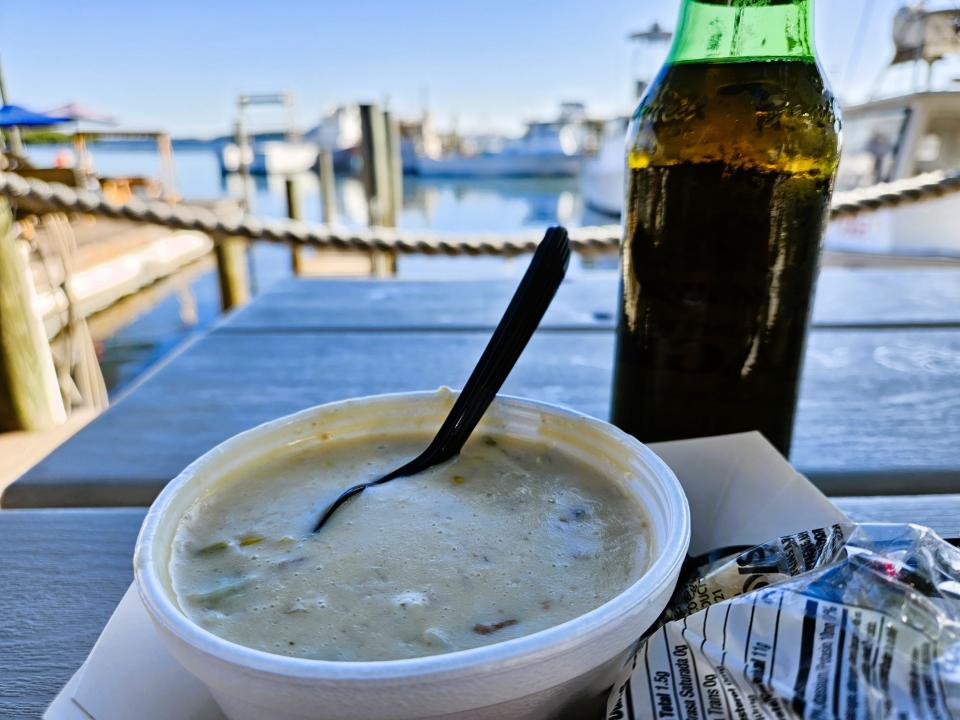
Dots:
(507, 539)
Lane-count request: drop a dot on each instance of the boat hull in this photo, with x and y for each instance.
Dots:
(927, 228)
(921, 229)
(270, 158)
(501, 166)
(602, 188)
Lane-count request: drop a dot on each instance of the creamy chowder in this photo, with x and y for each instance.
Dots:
(507, 539)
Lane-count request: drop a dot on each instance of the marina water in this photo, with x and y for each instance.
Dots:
(440, 205)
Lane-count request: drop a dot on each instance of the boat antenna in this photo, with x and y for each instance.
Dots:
(654, 36)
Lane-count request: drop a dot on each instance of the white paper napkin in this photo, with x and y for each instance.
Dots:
(63, 707)
(130, 674)
(741, 492)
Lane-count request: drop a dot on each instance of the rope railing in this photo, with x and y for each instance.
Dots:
(918, 188)
(42, 197)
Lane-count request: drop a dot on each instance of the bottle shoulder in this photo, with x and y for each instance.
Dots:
(777, 114)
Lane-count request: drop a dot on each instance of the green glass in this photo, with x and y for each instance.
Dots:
(739, 30)
(732, 155)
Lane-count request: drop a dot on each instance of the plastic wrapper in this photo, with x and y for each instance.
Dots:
(851, 621)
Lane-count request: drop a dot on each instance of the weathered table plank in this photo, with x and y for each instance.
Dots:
(844, 297)
(879, 410)
(228, 383)
(61, 575)
(62, 572)
(881, 296)
(939, 512)
(581, 303)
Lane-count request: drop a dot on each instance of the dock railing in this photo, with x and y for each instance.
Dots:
(231, 233)
(41, 197)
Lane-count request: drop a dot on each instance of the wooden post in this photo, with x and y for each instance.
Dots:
(395, 168)
(328, 194)
(232, 272)
(294, 212)
(376, 181)
(383, 263)
(376, 171)
(29, 392)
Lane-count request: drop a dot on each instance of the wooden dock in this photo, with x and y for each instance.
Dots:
(113, 259)
(58, 272)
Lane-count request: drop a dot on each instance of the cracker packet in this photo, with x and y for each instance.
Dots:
(852, 621)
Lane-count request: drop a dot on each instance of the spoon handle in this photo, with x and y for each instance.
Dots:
(523, 315)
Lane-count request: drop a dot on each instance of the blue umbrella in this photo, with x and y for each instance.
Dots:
(13, 115)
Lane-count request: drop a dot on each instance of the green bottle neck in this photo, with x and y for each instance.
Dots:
(743, 30)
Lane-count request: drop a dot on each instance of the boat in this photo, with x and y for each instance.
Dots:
(601, 182)
(547, 149)
(340, 132)
(269, 157)
(419, 139)
(267, 154)
(886, 139)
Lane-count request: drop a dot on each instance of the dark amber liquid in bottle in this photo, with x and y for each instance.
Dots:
(730, 173)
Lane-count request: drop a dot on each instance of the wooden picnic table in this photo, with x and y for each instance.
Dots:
(880, 416)
(879, 408)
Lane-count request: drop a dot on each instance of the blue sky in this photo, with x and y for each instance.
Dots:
(179, 64)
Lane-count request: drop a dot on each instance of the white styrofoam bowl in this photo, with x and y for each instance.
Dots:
(558, 672)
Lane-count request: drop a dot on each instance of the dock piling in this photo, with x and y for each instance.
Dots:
(394, 167)
(294, 212)
(328, 194)
(377, 183)
(376, 171)
(232, 273)
(29, 391)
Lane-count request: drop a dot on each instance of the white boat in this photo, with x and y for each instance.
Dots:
(894, 139)
(885, 140)
(548, 149)
(269, 157)
(340, 132)
(601, 182)
(283, 155)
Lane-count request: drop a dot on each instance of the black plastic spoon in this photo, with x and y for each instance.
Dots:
(523, 315)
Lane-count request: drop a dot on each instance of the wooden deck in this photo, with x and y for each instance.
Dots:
(113, 259)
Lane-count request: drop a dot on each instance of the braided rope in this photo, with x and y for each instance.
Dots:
(893, 194)
(40, 196)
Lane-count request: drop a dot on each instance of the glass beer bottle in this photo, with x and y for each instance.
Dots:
(731, 158)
